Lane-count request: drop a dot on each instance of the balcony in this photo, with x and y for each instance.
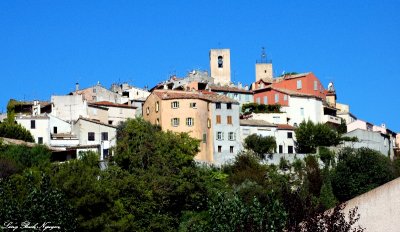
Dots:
(331, 119)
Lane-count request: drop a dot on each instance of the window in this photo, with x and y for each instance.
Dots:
(235, 96)
(94, 90)
(229, 106)
(218, 105)
(246, 131)
(90, 136)
(33, 124)
(276, 119)
(94, 98)
(104, 136)
(302, 111)
(193, 105)
(110, 122)
(157, 106)
(219, 149)
(208, 123)
(231, 149)
(231, 136)
(189, 121)
(285, 97)
(218, 119)
(204, 138)
(229, 119)
(175, 121)
(220, 135)
(40, 140)
(280, 149)
(157, 121)
(105, 153)
(175, 105)
(290, 135)
(147, 110)
(220, 62)
(54, 130)
(265, 100)
(315, 85)
(276, 97)
(258, 101)
(290, 149)
(299, 84)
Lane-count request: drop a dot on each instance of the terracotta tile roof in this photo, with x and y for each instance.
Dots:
(254, 122)
(95, 121)
(285, 127)
(287, 91)
(288, 77)
(229, 89)
(111, 104)
(204, 95)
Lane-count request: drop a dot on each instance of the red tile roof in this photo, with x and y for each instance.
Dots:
(228, 89)
(111, 104)
(204, 95)
(285, 127)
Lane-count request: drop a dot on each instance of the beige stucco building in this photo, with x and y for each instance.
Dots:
(204, 115)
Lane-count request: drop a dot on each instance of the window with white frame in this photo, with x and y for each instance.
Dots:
(231, 149)
(189, 121)
(265, 100)
(175, 121)
(276, 97)
(229, 106)
(302, 111)
(231, 136)
(299, 85)
(175, 105)
(285, 97)
(218, 105)
(220, 135)
(315, 85)
(193, 105)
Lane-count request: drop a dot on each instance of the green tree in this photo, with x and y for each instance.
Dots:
(358, 171)
(261, 145)
(15, 131)
(309, 136)
(29, 197)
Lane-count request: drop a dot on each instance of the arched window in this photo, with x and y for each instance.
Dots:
(220, 62)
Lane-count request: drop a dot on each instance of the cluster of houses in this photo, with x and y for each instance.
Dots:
(206, 105)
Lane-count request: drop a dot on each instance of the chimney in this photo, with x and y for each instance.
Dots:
(76, 86)
(246, 87)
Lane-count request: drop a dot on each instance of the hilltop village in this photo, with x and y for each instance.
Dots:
(207, 105)
(273, 155)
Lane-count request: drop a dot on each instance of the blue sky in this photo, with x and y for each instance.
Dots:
(48, 46)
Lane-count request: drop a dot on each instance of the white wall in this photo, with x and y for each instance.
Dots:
(41, 127)
(82, 127)
(120, 114)
(379, 208)
(313, 110)
(69, 107)
(276, 118)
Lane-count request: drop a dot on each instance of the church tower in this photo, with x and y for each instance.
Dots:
(220, 66)
(264, 68)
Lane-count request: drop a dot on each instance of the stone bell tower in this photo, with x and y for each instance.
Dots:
(220, 66)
